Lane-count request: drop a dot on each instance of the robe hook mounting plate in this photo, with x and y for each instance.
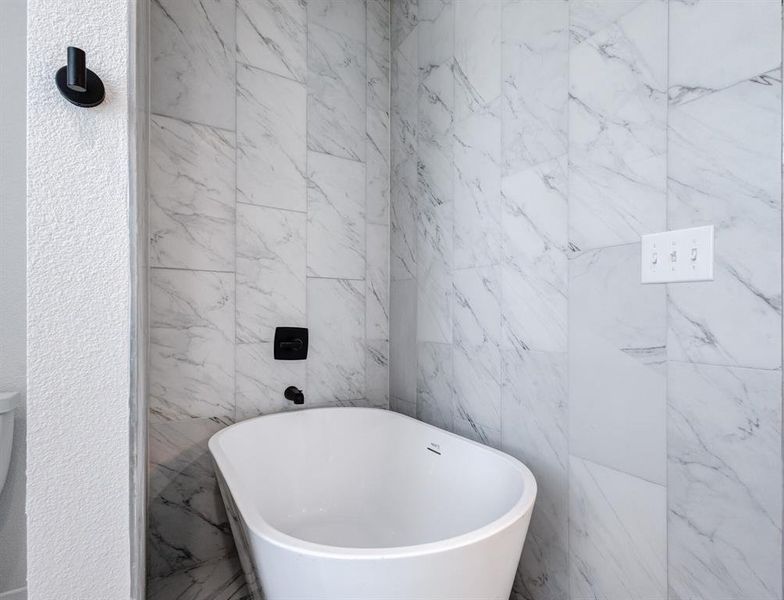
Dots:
(78, 84)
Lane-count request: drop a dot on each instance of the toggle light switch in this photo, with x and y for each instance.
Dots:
(695, 243)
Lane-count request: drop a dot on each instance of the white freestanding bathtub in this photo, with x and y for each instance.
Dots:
(362, 503)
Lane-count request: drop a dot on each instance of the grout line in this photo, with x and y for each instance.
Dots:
(157, 268)
(197, 123)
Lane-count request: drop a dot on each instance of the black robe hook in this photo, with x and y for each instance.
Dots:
(78, 84)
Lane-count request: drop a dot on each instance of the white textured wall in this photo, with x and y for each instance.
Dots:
(78, 309)
(12, 279)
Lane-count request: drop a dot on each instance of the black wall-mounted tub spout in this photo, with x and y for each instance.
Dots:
(78, 84)
(294, 394)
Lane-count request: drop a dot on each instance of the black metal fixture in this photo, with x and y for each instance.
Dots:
(78, 84)
(291, 343)
(294, 394)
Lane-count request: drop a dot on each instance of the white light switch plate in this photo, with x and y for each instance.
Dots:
(680, 255)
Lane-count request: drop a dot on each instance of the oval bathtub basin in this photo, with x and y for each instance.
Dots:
(362, 503)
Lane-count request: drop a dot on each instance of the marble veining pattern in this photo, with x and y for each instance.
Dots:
(272, 35)
(191, 183)
(192, 60)
(724, 482)
(336, 217)
(271, 152)
(191, 344)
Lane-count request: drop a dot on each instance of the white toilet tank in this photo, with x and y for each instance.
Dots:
(8, 402)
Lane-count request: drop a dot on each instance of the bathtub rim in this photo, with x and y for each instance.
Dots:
(260, 527)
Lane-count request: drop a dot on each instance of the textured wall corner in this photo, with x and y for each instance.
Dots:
(78, 267)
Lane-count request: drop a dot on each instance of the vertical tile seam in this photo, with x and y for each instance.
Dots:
(236, 228)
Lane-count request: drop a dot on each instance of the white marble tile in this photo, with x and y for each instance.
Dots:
(336, 358)
(192, 61)
(435, 393)
(378, 55)
(477, 55)
(710, 48)
(477, 382)
(534, 270)
(404, 178)
(403, 20)
(261, 380)
(403, 406)
(191, 194)
(724, 482)
(535, 82)
(617, 371)
(377, 144)
(336, 79)
(272, 35)
(617, 128)
(477, 306)
(336, 217)
(271, 151)
(611, 205)
(377, 373)
(345, 17)
(402, 340)
(377, 282)
(466, 427)
(534, 429)
(434, 274)
(587, 17)
(191, 344)
(188, 523)
(436, 33)
(724, 169)
(219, 579)
(271, 288)
(477, 188)
(617, 534)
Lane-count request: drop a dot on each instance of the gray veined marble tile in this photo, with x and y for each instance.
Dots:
(271, 288)
(336, 217)
(617, 129)
(261, 380)
(724, 169)
(271, 150)
(272, 35)
(588, 17)
(404, 177)
(403, 407)
(617, 371)
(336, 359)
(434, 387)
(617, 534)
(402, 340)
(724, 482)
(378, 55)
(377, 373)
(191, 186)
(533, 241)
(477, 306)
(191, 344)
(377, 282)
(477, 188)
(219, 579)
(434, 274)
(346, 17)
(403, 20)
(477, 55)
(192, 61)
(709, 44)
(477, 383)
(465, 426)
(436, 33)
(535, 82)
(336, 82)
(534, 429)
(188, 524)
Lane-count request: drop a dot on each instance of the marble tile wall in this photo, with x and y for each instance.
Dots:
(533, 143)
(269, 205)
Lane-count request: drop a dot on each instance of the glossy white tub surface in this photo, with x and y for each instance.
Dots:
(363, 503)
